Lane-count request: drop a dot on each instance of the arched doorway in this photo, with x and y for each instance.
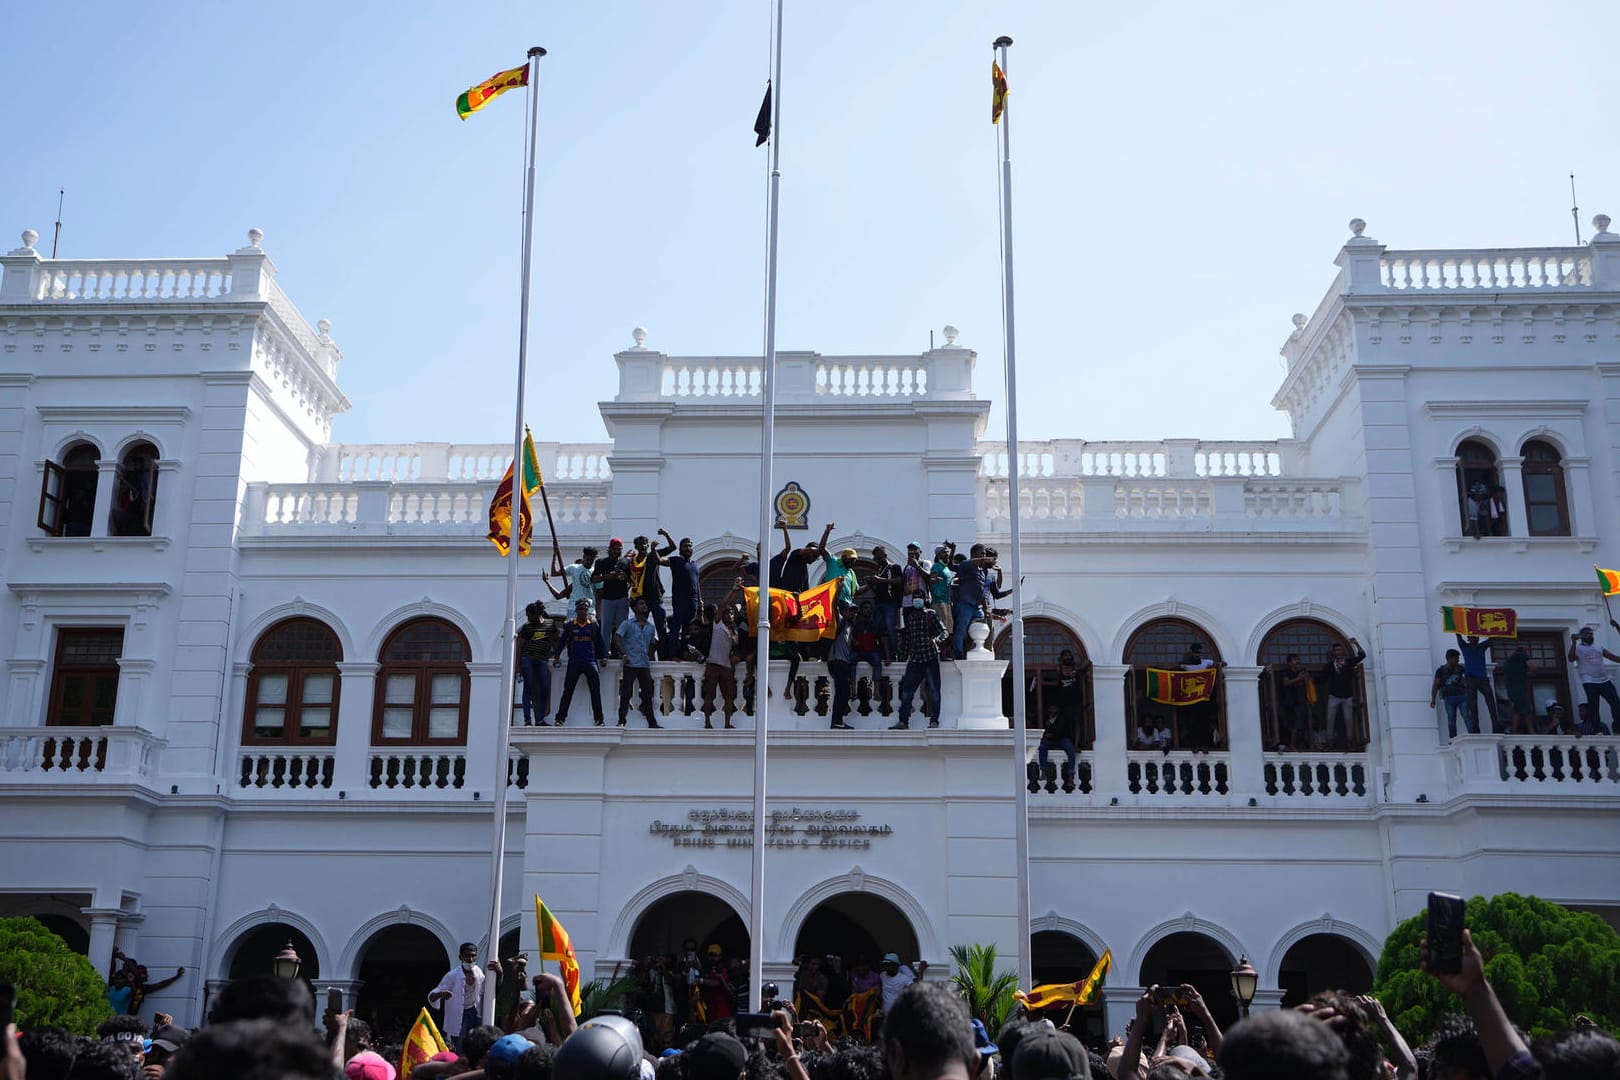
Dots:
(1312, 642)
(1045, 640)
(1173, 645)
(852, 925)
(398, 966)
(1477, 478)
(1322, 962)
(1199, 960)
(1058, 957)
(72, 934)
(254, 950)
(703, 917)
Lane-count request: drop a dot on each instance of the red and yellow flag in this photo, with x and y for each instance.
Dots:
(1076, 993)
(804, 616)
(421, 1043)
(1608, 580)
(555, 945)
(998, 92)
(1480, 621)
(1180, 687)
(500, 508)
(490, 89)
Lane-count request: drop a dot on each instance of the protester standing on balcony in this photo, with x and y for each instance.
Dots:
(1339, 675)
(581, 638)
(536, 643)
(1478, 676)
(647, 584)
(1293, 680)
(683, 593)
(578, 578)
(923, 636)
(719, 669)
(841, 666)
(941, 579)
(635, 639)
(1057, 733)
(1516, 671)
(1588, 657)
(612, 577)
(1451, 686)
(884, 584)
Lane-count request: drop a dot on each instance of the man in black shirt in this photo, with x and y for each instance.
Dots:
(683, 592)
(647, 584)
(537, 642)
(790, 567)
(612, 573)
(1339, 676)
(884, 583)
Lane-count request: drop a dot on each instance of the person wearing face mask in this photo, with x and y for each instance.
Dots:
(460, 993)
(923, 634)
(1588, 657)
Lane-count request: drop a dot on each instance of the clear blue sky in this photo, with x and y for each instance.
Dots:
(1182, 178)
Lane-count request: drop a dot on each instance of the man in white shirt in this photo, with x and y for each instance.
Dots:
(461, 994)
(896, 976)
(1588, 657)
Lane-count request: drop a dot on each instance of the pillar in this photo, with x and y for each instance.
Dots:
(1108, 779)
(103, 936)
(1119, 1003)
(1266, 999)
(1244, 737)
(1518, 515)
(106, 481)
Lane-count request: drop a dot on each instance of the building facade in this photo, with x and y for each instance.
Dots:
(253, 677)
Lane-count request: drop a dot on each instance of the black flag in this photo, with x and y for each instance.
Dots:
(762, 122)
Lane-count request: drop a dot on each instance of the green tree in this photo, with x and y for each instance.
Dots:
(1548, 964)
(599, 994)
(988, 994)
(55, 985)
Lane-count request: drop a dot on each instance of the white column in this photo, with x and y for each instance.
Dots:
(1108, 778)
(1266, 999)
(356, 692)
(1578, 497)
(979, 677)
(106, 481)
(1243, 734)
(1119, 1003)
(1518, 515)
(103, 936)
(125, 938)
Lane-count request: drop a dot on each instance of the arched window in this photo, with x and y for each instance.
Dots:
(715, 580)
(1545, 502)
(1288, 717)
(136, 494)
(1478, 480)
(423, 686)
(292, 693)
(1174, 645)
(1045, 642)
(67, 493)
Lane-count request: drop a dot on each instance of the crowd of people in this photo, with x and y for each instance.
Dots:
(913, 613)
(264, 1028)
(1464, 679)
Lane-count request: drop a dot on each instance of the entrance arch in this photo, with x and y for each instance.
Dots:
(72, 933)
(399, 964)
(1188, 956)
(856, 924)
(1059, 957)
(255, 949)
(1320, 962)
(688, 914)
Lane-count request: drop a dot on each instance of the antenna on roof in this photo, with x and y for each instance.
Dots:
(61, 194)
(1575, 210)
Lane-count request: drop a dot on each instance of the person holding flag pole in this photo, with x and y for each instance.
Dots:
(767, 128)
(472, 101)
(999, 117)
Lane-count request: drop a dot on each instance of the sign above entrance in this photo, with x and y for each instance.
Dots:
(793, 829)
(793, 506)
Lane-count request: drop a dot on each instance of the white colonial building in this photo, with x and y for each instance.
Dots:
(252, 678)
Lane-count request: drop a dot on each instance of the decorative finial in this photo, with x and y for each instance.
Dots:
(1357, 226)
(324, 326)
(950, 335)
(254, 236)
(1300, 320)
(639, 336)
(1600, 223)
(28, 238)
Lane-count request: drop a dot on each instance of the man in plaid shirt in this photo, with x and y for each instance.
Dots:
(923, 634)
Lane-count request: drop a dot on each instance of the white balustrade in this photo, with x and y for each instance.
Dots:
(274, 770)
(438, 504)
(59, 754)
(876, 377)
(1493, 270)
(1162, 499)
(310, 504)
(1294, 500)
(711, 377)
(282, 305)
(385, 461)
(475, 462)
(1180, 772)
(1055, 780)
(1317, 777)
(93, 280)
(414, 507)
(1561, 762)
(1237, 459)
(1129, 460)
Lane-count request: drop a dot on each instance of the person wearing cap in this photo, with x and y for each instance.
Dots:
(923, 637)
(715, 985)
(941, 579)
(841, 568)
(1050, 1055)
(167, 1039)
(127, 1033)
(1557, 718)
(895, 977)
(369, 1065)
(716, 1056)
(1588, 657)
(612, 577)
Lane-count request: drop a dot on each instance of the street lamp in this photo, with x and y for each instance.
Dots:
(285, 965)
(1244, 981)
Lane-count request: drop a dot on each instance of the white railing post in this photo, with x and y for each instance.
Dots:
(1359, 261)
(1605, 247)
(251, 270)
(20, 271)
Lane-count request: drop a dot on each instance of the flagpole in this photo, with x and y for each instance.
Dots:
(503, 729)
(1016, 627)
(762, 655)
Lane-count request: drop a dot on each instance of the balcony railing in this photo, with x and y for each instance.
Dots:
(53, 755)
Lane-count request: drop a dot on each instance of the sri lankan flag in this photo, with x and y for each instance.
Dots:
(554, 945)
(1608, 580)
(490, 89)
(1180, 687)
(998, 92)
(421, 1043)
(500, 508)
(1480, 621)
(802, 616)
(1076, 993)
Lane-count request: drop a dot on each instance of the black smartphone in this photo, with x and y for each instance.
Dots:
(756, 1026)
(1445, 933)
(334, 1000)
(1171, 995)
(8, 1003)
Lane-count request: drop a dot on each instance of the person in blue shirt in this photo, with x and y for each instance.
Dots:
(973, 595)
(635, 638)
(1474, 650)
(581, 639)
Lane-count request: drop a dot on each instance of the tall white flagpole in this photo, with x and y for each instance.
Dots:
(503, 728)
(1020, 732)
(762, 657)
